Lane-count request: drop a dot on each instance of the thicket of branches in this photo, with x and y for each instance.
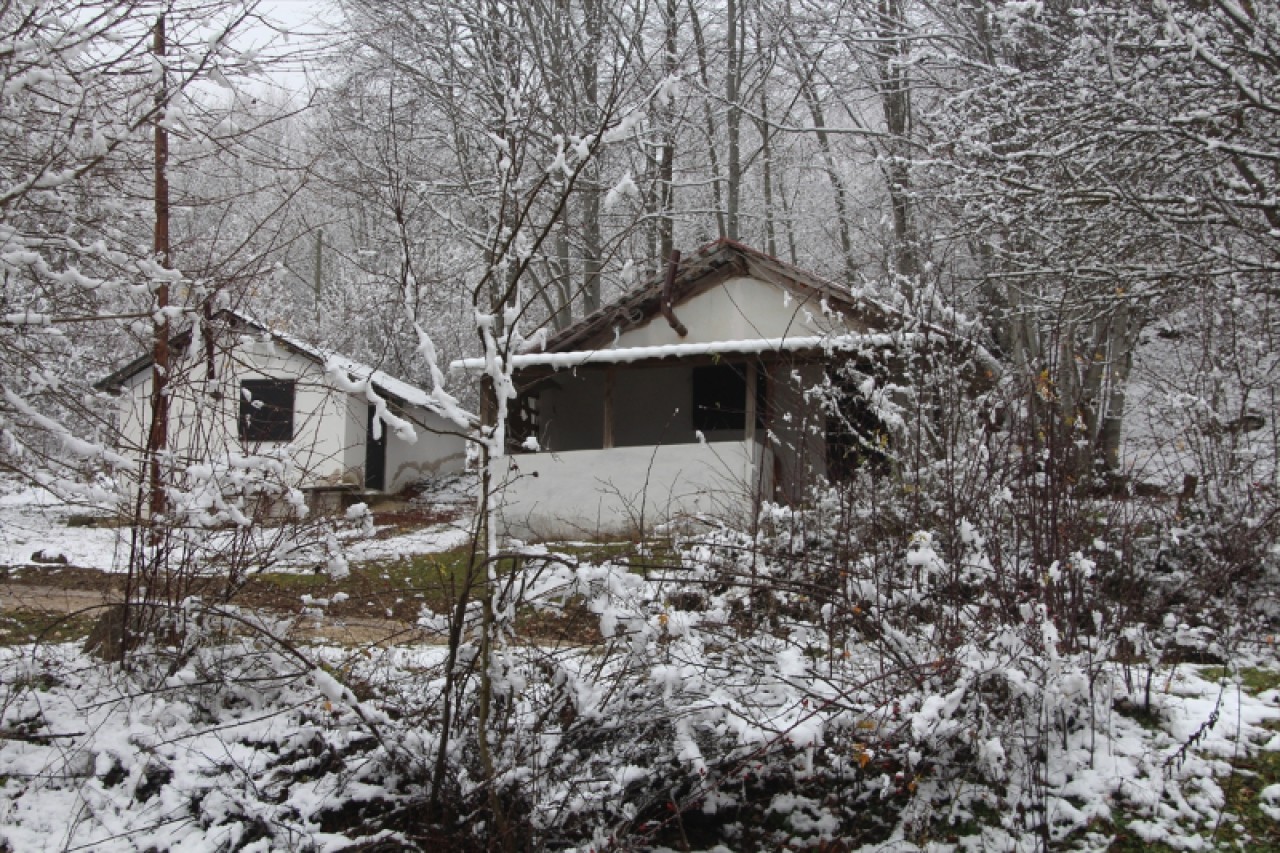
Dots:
(1087, 191)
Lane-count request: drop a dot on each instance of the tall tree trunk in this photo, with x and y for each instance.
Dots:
(895, 97)
(562, 287)
(666, 163)
(700, 45)
(1119, 358)
(592, 244)
(766, 162)
(733, 118)
(811, 99)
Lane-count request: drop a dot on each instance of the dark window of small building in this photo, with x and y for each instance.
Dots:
(719, 398)
(266, 410)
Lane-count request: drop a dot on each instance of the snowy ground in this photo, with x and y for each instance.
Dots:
(34, 522)
(183, 767)
(93, 759)
(255, 741)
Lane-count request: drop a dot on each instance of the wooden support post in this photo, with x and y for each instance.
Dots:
(609, 377)
(751, 403)
(158, 438)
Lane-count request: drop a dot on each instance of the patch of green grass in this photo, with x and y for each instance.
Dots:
(962, 823)
(399, 588)
(1251, 775)
(1252, 679)
(438, 578)
(1249, 828)
(19, 627)
(596, 552)
(1147, 717)
(287, 581)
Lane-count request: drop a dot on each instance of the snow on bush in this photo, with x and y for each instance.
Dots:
(750, 691)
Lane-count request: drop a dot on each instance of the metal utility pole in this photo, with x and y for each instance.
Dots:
(318, 270)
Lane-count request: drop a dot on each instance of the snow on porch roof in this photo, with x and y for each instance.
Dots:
(382, 382)
(751, 346)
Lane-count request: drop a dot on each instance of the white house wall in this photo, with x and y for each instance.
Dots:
(438, 450)
(330, 426)
(356, 426)
(741, 308)
(654, 406)
(202, 425)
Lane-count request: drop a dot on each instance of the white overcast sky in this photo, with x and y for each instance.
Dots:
(291, 35)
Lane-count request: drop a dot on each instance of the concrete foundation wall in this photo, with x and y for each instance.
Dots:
(625, 491)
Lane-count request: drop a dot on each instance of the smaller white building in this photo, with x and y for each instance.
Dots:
(240, 392)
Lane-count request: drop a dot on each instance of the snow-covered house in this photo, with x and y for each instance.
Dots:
(696, 394)
(240, 391)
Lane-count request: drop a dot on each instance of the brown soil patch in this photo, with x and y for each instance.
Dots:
(63, 591)
(372, 606)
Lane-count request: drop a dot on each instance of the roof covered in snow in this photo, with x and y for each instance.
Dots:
(710, 265)
(751, 346)
(382, 382)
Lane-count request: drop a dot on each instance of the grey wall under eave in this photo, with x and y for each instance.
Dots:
(571, 411)
(651, 406)
(796, 429)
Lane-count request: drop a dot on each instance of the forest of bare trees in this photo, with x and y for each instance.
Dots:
(1087, 193)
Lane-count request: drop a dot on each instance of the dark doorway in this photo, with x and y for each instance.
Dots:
(375, 459)
(856, 437)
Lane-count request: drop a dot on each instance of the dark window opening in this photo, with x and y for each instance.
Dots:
(375, 461)
(856, 437)
(522, 423)
(266, 410)
(720, 398)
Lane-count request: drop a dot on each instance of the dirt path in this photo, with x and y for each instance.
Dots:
(22, 594)
(50, 599)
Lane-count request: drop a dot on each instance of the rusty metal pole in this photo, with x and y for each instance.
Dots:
(158, 439)
(143, 561)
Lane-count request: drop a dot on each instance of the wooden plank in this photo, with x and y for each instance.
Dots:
(609, 377)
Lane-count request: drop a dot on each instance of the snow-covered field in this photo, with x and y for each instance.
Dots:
(275, 756)
(680, 724)
(35, 522)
